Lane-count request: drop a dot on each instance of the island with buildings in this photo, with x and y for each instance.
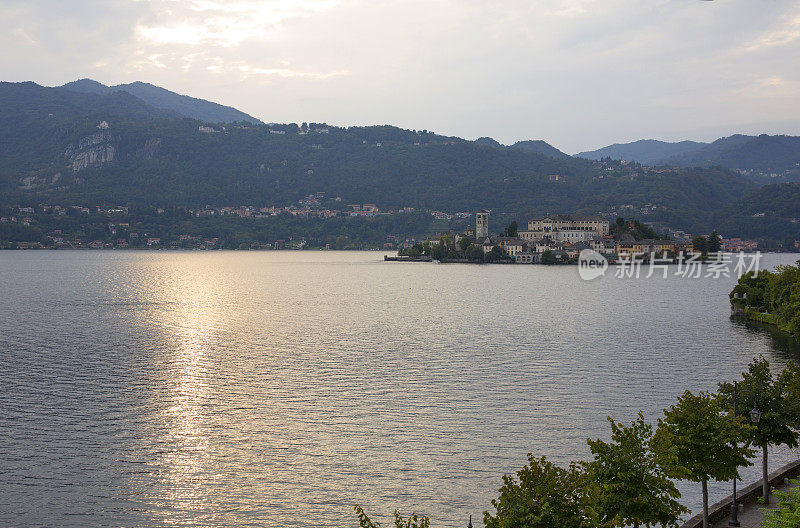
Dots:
(551, 239)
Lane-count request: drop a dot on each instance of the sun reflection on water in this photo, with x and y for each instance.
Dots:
(185, 472)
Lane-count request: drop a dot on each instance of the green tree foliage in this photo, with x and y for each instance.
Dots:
(444, 249)
(634, 228)
(548, 257)
(775, 293)
(634, 487)
(702, 443)
(474, 253)
(414, 521)
(512, 229)
(496, 254)
(790, 380)
(545, 496)
(714, 242)
(787, 512)
(700, 244)
(780, 420)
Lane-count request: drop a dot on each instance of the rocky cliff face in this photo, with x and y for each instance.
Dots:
(29, 183)
(92, 151)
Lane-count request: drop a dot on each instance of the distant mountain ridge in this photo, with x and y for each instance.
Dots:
(761, 153)
(531, 146)
(162, 98)
(764, 153)
(644, 151)
(537, 146)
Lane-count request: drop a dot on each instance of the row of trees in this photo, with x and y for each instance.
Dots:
(771, 297)
(706, 245)
(445, 249)
(630, 480)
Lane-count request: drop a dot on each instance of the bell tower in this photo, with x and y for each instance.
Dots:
(482, 224)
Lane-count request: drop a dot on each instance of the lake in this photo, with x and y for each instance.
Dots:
(166, 388)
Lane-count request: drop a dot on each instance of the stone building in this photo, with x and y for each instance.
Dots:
(482, 224)
(566, 228)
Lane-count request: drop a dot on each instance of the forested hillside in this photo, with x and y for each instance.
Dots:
(762, 153)
(763, 158)
(645, 151)
(61, 146)
(772, 211)
(161, 98)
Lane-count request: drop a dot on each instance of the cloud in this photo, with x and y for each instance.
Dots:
(224, 24)
(286, 72)
(787, 33)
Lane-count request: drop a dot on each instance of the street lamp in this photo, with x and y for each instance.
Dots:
(755, 417)
(470, 522)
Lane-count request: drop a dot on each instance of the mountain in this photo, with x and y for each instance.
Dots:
(538, 147)
(77, 148)
(763, 159)
(530, 146)
(37, 124)
(644, 151)
(162, 98)
(488, 142)
(749, 153)
(769, 211)
(28, 100)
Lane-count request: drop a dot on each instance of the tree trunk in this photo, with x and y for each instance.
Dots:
(705, 504)
(765, 475)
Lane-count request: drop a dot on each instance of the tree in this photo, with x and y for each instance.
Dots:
(414, 251)
(464, 244)
(545, 496)
(700, 244)
(474, 253)
(413, 521)
(696, 441)
(790, 380)
(497, 253)
(714, 243)
(548, 257)
(787, 513)
(779, 418)
(634, 487)
(512, 229)
(439, 251)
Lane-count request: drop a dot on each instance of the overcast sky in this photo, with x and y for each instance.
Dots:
(579, 74)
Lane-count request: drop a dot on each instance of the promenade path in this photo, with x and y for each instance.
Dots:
(751, 517)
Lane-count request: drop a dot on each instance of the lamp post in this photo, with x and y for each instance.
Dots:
(470, 522)
(755, 417)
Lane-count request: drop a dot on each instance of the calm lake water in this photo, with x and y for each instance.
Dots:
(279, 388)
